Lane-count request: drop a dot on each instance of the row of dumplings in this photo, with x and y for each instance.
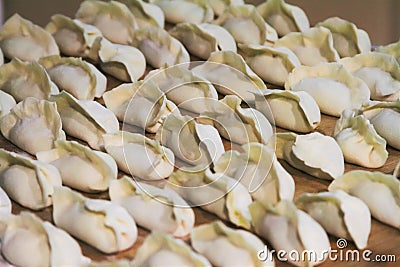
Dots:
(268, 210)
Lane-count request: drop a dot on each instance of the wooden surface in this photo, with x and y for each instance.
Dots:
(383, 239)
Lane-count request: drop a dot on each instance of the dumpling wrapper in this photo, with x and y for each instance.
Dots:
(26, 79)
(285, 18)
(1, 57)
(237, 124)
(339, 213)
(73, 37)
(312, 46)
(332, 86)
(160, 48)
(92, 170)
(203, 39)
(219, 6)
(391, 49)
(359, 141)
(316, 154)
(29, 241)
(296, 111)
(236, 18)
(33, 125)
(7, 102)
(140, 156)
(186, 89)
(153, 208)
(85, 120)
(191, 142)
(385, 116)
(230, 75)
(28, 182)
(240, 248)
(214, 192)
(79, 78)
(124, 62)
(20, 38)
(381, 72)
(288, 228)
(108, 263)
(145, 14)
(258, 169)
(177, 11)
(107, 17)
(272, 64)
(381, 193)
(5, 204)
(102, 224)
(160, 249)
(141, 104)
(348, 40)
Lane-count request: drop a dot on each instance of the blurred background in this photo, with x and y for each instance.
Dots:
(380, 18)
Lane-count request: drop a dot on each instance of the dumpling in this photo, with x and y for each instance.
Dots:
(332, 86)
(73, 37)
(107, 17)
(381, 193)
(296, 111)
(237, 124)
(7, 102)
(290, 229)
(177, 11)
(379, 71)
(312, 46)
(108, 263)
(240, 248)
(316, 154)
(160, 250)
(340, 214)
(385, 117)
(20, 38)
(28, 182)
(153, 208)
(5, 204)
(272, 64)
(92, 170)
(102, 224)
(191, 142)
(141, 104)
(258, 169)
(33, 125)
(77, 77)
(348, 40)
(285, 18)
(219, 6)
(237, 18)
(160, 48)
(390, 49)
(85, 120)
(28, 241)
(230, 74)
(26, 79)
(140, 156)
(214, 192)
(185, 88)
(359, 141)
(203, 39)
(145, 14)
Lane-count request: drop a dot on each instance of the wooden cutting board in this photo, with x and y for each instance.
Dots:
(384, 240)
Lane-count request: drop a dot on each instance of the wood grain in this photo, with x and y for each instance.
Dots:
(384, 240)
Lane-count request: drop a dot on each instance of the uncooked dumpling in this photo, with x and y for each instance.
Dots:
(113, 19)
(20, 38)
(33, 125)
